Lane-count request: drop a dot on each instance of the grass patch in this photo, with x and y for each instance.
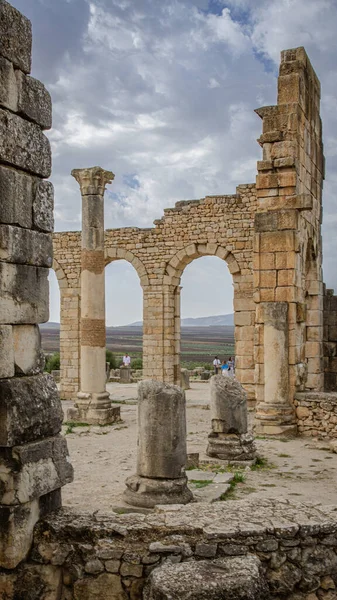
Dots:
(200, 483)
(282, 455)
(70, 426)
(262, 464)
(239, 477)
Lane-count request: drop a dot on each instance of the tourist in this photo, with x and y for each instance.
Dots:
(224, 368)
(126, 360)
(216, 365)
(231, 367)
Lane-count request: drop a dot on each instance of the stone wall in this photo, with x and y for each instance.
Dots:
(317, 414)
(330, 341)
(82, 557)
(33, 456)
(219, 226)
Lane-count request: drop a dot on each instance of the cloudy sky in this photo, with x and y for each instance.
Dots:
(162, 93)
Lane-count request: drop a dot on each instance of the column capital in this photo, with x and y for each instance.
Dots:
(93, 180)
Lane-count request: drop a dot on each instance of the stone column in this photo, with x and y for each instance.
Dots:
(93, 404)
(34, 461)
(161, 458)
(275, 415)
(177, 335)
(229, 439)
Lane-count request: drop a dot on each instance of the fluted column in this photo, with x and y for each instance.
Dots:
(93, 403)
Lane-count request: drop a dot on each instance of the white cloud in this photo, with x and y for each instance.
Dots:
(163, 94)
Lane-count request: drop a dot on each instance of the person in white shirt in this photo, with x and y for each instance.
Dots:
(216, 365)
(126, 360)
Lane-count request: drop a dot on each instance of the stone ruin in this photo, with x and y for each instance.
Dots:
(229, 439)
(239, 549)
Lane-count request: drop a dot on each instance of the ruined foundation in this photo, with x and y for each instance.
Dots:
(229, 439)
(161, 454)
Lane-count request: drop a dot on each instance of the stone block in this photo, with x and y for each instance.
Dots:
(32, 579)
(34, 101)
(30, 409)
(6, 352)
(8, 86)
(278, 241)
(33, 470)
(16, 532)
(31, 151)
(106, 585)
(28, 356)
(239, 578)
(43, 207)
(16, 192)
(24, 246)
(15, 37)
(24, 294)
(228, 405)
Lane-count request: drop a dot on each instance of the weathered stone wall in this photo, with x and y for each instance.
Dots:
(33, 457)
(219, 226)
(287, 244)
(316, 413)
(330, 341)
(79, 557)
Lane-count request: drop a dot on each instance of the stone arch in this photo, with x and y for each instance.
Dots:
(60, 274)
(185, 256)
(112, 254)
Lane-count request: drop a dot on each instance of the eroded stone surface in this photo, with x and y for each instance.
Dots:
(16, 37)
(228, 405)
(34, 102)
(218, 579)
(16, 191)
(43, 206)
(24, 294)
(30, 409)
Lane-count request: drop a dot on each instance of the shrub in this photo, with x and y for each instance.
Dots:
(137, 363)
(208, 367)
(53, 362)
(111, 359)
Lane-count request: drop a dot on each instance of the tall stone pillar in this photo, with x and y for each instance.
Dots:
(34, 462)
(93, 404)
(177, 335)
(275, 415)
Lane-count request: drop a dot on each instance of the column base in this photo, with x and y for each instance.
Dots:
(146, 492)
(236, 449)
(275, 419)
(94, 409)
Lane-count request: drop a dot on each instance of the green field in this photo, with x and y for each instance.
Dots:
(198, 344)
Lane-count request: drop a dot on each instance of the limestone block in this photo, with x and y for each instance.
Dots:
(185, 379)
(43, 207)
(24, 294)
(24, 246)
(33, 470)
(239, 578)
(30, 409)
(31, 151)
(28, 356)
(34, 101)
(149, 492)
(228, 405)
(32, 577)
(8, 86)
(15, 37)
(125, 375)
(16, 192)
(106, 585)
(6, 351)
(16, 532)
(162, 430)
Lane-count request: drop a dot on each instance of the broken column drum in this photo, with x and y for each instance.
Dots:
(161, 455)
(93, 403)
(229, 439)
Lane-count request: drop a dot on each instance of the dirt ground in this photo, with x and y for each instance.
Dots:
(103, 457)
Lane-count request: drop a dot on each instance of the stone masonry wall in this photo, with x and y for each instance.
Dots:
(33, 456)
(82, 556)
(330, 341)
(219, 226)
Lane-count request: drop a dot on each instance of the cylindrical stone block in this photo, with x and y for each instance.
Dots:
(276, 371)
(162, 430)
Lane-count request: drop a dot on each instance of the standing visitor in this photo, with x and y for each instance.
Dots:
(231, 366)
(216, 365)
(126, 360)
(224, 368)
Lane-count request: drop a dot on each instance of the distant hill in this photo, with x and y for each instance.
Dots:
(215, 320)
